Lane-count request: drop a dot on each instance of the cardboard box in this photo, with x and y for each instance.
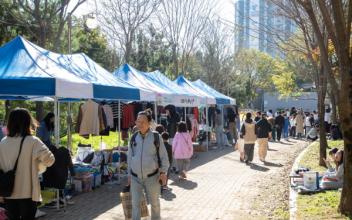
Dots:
(199, 148)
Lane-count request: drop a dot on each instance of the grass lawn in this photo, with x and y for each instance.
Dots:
(321, 205)
(110, 141)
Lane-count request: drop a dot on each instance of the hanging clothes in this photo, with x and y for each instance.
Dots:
(195, 129)
(104, 128)
(128, 117)
(90, 123)
(109, 115)
(115, 112)
(115, 109)
(196, 113)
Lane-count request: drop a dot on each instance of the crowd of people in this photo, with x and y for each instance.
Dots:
(154, 152)
(281, 125)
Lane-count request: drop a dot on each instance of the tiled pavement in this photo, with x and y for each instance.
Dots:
(215, 180)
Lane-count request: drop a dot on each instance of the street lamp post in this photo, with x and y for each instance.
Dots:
(69, 112)
(91, 24)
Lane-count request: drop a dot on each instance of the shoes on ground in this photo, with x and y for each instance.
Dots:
(39, 214)
(183, 175)
(67, 202)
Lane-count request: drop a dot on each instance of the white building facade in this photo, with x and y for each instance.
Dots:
(257, 25)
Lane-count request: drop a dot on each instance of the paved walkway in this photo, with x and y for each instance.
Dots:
(218, 187)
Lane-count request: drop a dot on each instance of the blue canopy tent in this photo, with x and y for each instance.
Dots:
(105, 84)
(186, 99)
(165, 95)
(220, 98)
(189, 87)
(26, 70)
(29, 70)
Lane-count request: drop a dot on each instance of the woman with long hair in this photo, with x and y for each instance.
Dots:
(334, 180)
(46, 129)
(33, 156)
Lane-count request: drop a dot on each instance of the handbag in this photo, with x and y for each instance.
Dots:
(126, 200)
(7, 179)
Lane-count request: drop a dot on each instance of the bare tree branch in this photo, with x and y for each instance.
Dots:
(182, 23)
(120, 20)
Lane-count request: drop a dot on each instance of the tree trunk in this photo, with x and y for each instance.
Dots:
(175, 59)
(39, 108)
(345, 113)
(321, 111)
(333, 107)
(322, 133)
(128, 52)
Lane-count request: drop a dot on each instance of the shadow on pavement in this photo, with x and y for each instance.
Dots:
(270, 164)
(186, 184)
(205, 157)
(270, 149)
(291, 141)
(284, 143)
(89, 205)
(259, 168)
(106, 198)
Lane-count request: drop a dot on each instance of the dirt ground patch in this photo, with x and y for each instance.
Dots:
(266, 195)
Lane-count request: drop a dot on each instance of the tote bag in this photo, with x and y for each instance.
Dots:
(126, 200)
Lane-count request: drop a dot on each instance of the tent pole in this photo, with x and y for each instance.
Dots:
(206, 126)
(185, 114)
(222, 116)
(119, 123)
(57, 120)
(69, 123)
(156, 112)
(119, 141)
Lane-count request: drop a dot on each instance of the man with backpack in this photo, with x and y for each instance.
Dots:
(148, 164)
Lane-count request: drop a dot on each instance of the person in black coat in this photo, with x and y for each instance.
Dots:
(56, 175)
(172, 119)
(258, 116)
(263, 131)
(279, 124)
(168, 147)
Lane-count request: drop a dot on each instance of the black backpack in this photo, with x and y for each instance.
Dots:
(156, 144)
(7, 179)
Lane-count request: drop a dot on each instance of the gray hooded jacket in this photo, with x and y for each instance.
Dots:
(143, 159)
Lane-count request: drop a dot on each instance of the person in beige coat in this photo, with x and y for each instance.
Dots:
(249, 136)
(33, 159)
(300, 124)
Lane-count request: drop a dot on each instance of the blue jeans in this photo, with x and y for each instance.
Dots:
(285, 132)
(219, 134)
(151, 186)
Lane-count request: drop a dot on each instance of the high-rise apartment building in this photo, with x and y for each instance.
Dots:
(257, 25)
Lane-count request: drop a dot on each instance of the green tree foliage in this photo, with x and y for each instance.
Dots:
(9, 27)
(284, 80)
(94, 44)
(152, 51)
(255, 70)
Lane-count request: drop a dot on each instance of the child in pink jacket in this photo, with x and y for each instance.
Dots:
(182, 149)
